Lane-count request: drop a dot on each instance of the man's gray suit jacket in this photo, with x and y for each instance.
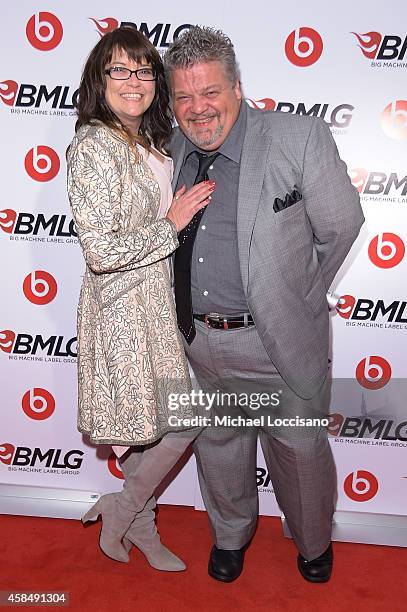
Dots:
(288, 259)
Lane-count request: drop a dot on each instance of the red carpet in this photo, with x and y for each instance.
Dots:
(54, 554)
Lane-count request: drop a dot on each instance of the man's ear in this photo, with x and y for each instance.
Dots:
(237, 89)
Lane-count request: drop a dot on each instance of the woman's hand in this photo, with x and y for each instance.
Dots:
(186, 203)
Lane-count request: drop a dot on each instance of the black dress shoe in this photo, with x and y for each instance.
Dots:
(319, 569)
(226, 565)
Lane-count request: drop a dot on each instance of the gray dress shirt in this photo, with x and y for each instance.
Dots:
(216, 282)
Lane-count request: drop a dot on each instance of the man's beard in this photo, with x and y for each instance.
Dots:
(205, 140)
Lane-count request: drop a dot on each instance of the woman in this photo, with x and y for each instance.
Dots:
(130, 355)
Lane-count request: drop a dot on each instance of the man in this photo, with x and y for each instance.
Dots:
(251, 277)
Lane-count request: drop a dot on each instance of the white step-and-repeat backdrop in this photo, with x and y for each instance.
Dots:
(345, 63)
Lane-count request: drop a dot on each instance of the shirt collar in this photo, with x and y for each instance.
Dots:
(232, 146)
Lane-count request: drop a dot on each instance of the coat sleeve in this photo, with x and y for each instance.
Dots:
(332, 202)
(95, 192)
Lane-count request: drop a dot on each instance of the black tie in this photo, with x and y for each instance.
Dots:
(183, 256)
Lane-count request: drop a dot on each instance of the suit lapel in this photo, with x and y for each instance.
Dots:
(178, 157)
(252, 169)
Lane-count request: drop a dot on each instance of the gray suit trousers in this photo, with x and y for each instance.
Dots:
(298, 458)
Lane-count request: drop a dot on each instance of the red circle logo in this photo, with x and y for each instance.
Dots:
(114, 468)
(394, 119)
(42, 163)
(361, 486)
(44, 31)
(345, 306)
(386, 250)
(38, 404)
(373, 372)
(40, 287)
(303, 47)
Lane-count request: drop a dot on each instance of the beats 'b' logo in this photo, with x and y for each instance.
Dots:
(8, 218)
(42, 163)
(373, 372)
(8, 92)
(114, 467)
(394, 119)
(361, 486)
(303, 47)
(386, 250)
(108, 24)
(6, 452)
(38, 404)
(345, 306)
(40, 287)
(44, 31)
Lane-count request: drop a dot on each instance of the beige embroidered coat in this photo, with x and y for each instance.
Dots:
(130, 354)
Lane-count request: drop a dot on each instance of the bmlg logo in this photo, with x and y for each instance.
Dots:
(26, 344)
(23, 456)
(378, 183)
(376, 46)
(24, 224)
(158, 34)
(363, 309)
(336, 117)
(27, 95)
(366, 428)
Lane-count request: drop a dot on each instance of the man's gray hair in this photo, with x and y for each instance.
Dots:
(199, 45)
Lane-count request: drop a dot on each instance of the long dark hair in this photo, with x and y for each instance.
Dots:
(156, 122)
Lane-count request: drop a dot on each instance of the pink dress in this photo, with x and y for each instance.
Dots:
(162, 171)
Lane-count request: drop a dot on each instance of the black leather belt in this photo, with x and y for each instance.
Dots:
(218, 321)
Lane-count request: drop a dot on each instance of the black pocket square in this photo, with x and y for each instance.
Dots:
(289, 200)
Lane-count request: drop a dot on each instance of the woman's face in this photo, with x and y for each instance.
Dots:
(128, 99)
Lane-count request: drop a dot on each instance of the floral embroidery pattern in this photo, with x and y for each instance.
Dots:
(130, 355)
